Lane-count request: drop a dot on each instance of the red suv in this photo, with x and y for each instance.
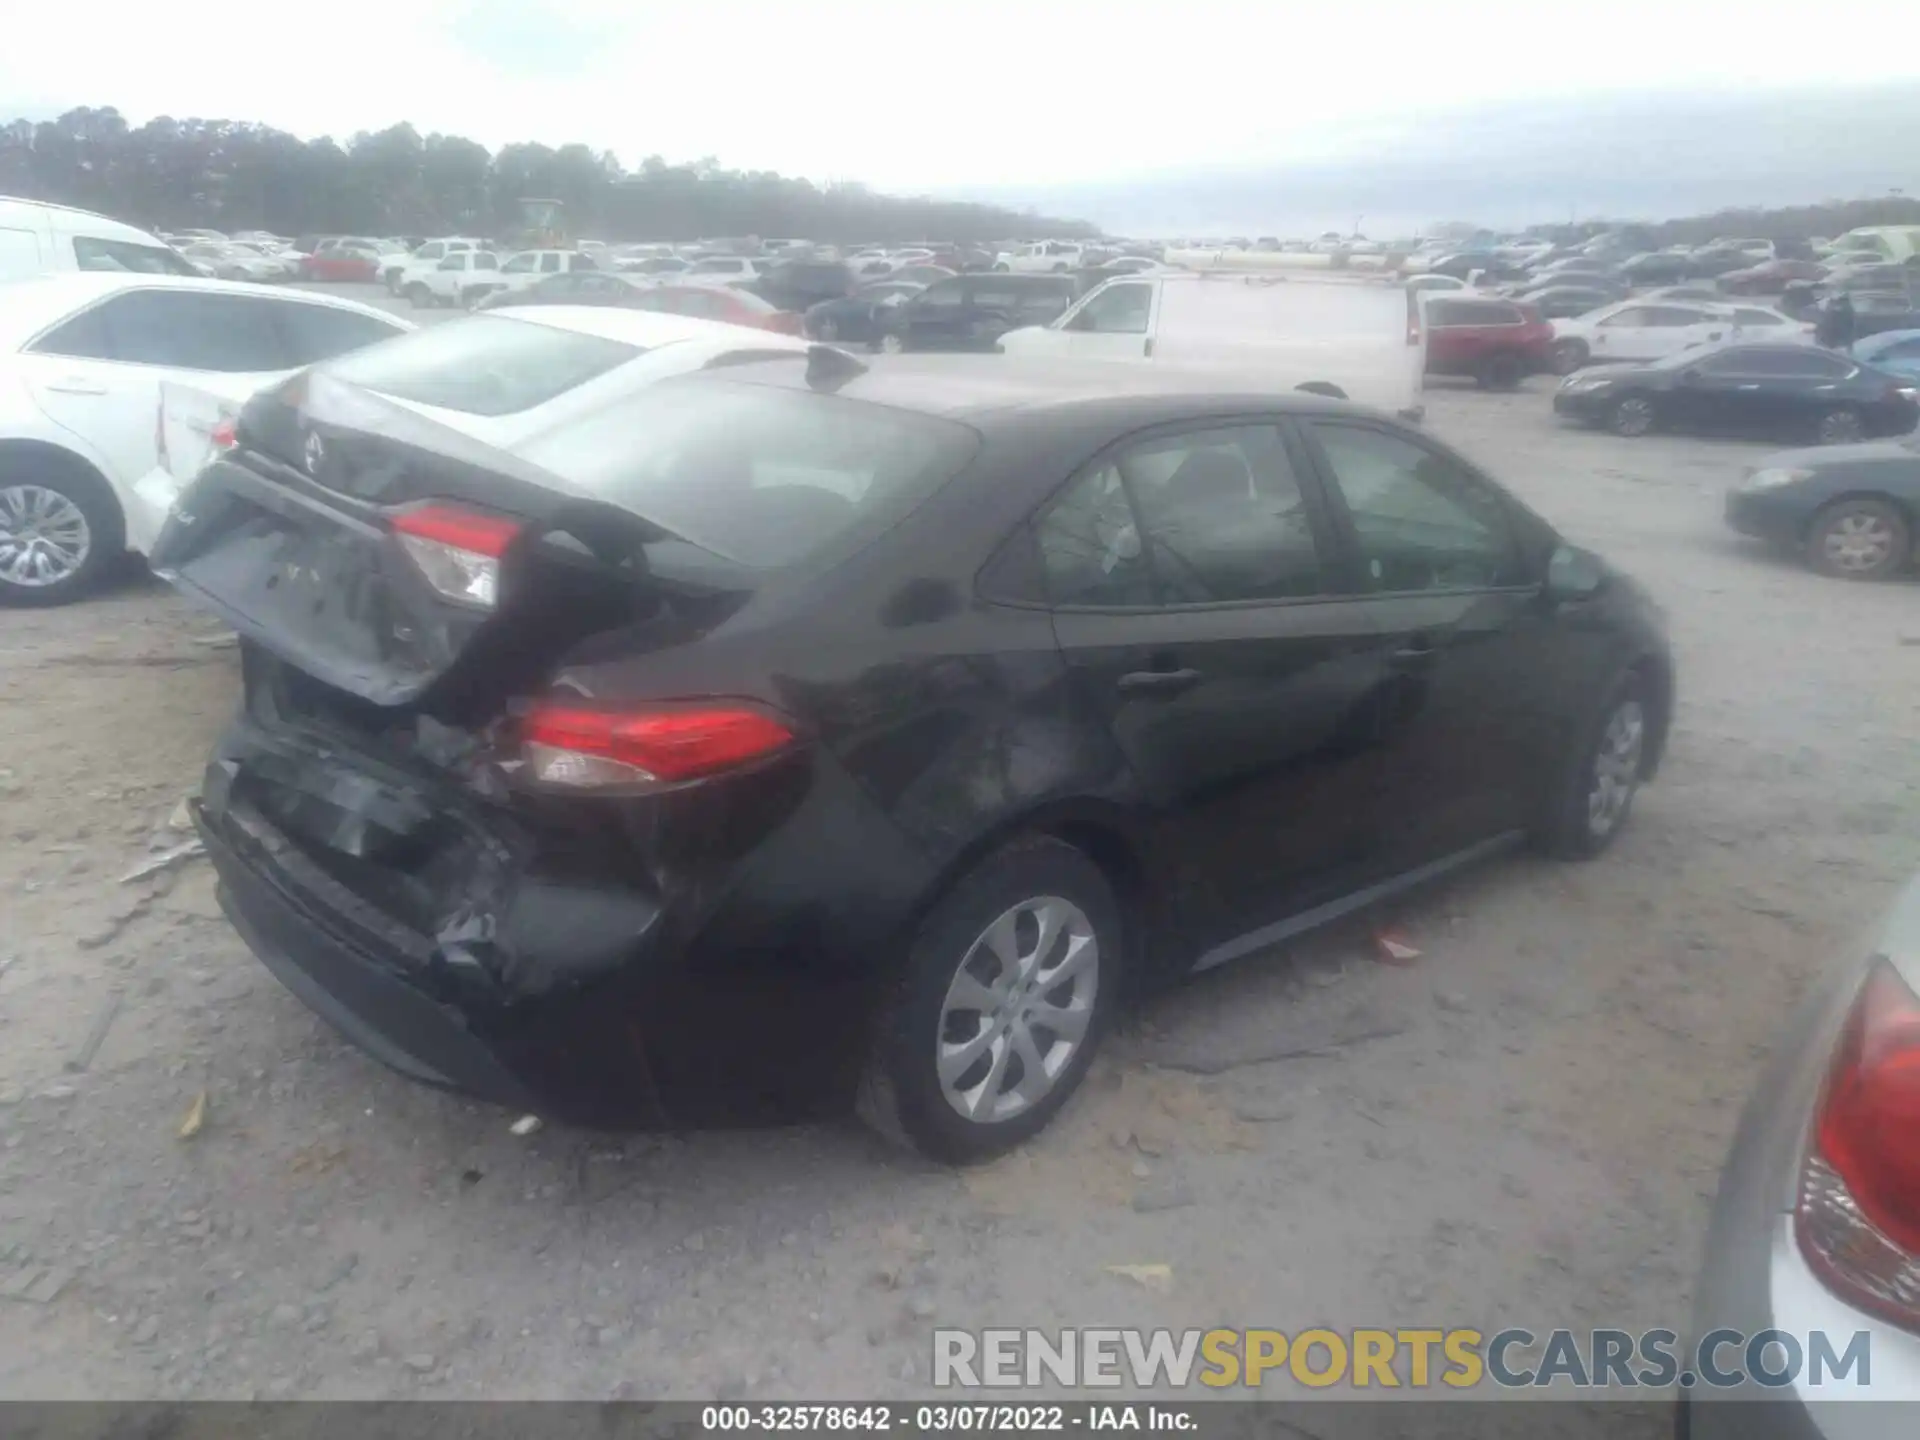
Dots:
(1497, 342)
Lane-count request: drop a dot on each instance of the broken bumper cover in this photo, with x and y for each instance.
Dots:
(289, 914)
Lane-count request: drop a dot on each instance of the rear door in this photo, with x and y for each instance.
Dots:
(1446, 580)
(936, 318)
(1200, 605)
(98, 374)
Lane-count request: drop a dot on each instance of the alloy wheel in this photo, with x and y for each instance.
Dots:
(1616, 767)
(892, 344)
(1858, 542)
(1840, 427)
(1018, 1009)
(1632, 416)
(44, 536)
(826, 331)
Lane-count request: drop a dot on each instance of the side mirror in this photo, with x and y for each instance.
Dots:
(1575, 574)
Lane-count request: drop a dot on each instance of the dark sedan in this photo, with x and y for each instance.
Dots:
(796, 737)
(1777, 390)
(972, 312)
(1770, 277)
(858, 317)
(1658, 267)
(1850, 510)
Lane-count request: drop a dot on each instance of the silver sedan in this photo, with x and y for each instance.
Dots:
(1816, 1230)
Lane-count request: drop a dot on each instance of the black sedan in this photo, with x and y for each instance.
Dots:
(1850, 510)
(859, 317)
(1778, 390)
(795, 736)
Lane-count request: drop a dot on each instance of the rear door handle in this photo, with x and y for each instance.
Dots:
(1158, 682)
(74, 385)
(1418, 650)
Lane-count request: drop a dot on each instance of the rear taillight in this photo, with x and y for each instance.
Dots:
(458, 550)
(1413, 317)
(1858, 1214)
(594, 749)
(225, 434)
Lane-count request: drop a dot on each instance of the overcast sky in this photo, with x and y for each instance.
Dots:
(916, 97)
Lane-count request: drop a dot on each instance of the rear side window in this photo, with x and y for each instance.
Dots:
(126, 256)
(319, 332)
(229, 334)
(757, 475)
(484, 364)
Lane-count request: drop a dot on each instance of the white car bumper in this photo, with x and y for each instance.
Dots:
(147, 507)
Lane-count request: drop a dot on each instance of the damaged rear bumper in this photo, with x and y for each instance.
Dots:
(293, 917)
(551, 953)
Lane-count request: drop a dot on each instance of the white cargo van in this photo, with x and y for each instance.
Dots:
(41, 239)
(1358, 337)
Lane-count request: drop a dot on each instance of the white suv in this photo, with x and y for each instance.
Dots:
(1042, 257)
(396, 271)
(82, 362)
(464, 278)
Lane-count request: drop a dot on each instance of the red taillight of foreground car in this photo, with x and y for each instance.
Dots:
(594, 749)
(1858, 1214)
(458, 550)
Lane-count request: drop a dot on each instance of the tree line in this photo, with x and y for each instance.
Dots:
(231, 175)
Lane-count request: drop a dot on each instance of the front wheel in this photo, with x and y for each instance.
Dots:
(1008, 987)
(1631, 416)
(892, 344)
(826, 331)
(1859, 539)
(1598, 785)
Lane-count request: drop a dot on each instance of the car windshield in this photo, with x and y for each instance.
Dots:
(483, 364)
(757, 475)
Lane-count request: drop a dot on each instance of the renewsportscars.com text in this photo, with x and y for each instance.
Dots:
(1380, 1359)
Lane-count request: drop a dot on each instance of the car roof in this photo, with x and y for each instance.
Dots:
(972, 387)
(28, 306)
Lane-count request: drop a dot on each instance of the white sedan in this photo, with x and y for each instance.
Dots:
(83, 357)
(500, 377)
(1638, 330)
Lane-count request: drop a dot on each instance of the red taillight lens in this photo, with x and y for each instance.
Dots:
(225, 434)
(1858, 1215)
(458, 550)
(588, 749)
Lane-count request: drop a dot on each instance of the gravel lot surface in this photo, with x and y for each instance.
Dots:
(1534, 1143)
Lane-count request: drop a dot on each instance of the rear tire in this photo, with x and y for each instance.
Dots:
(52, 510)
(1841, 425)
(1859, 539)
(419, 296)
(987, 965)
(1500, 372)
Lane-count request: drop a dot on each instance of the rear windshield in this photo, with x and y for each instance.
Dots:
(484, 364)
(760, 476)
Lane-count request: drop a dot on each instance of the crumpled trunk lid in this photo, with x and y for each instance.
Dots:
(289, 538)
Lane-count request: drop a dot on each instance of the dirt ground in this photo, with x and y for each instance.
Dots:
(1534, 1143)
